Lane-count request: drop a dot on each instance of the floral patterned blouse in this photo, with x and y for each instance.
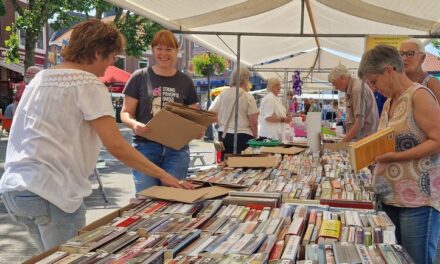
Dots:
(413, 183)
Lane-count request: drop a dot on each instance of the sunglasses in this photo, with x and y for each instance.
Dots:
(409, 53)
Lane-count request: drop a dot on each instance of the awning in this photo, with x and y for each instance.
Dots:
(329, 18)
(115, 75)
(13, 67)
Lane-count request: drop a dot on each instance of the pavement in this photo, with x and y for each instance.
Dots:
(15, 244)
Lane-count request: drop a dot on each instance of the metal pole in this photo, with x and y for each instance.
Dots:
(302, 16)
(307, 35)
(237, 94)
(286, 89)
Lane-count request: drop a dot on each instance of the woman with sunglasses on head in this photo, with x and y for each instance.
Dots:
(407, 181)
(413, 55)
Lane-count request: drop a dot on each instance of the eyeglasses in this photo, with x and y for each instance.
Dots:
(409, 53)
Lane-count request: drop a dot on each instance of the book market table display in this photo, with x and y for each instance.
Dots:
(309, 208)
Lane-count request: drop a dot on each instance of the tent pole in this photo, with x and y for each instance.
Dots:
(302, 16)
(237, 95)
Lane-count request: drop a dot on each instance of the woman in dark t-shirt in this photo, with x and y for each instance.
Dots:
(148, 91)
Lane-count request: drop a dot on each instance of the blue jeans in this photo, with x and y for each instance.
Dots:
(417, 230)
(48, 225)
(175, 162)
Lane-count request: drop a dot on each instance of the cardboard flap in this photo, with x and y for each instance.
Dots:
(252, 161)
(172, 130)
(215, 191)
(201, 117)
(291, 150)
(182, 195)
(336, 146)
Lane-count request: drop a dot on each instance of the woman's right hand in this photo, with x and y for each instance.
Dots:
(140, 129)
(169, 180)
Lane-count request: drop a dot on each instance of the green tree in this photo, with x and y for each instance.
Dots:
(436, 44)
(138, 31)
(207, 64)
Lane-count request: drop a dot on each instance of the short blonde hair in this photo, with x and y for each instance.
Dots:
(337, 72)
(272, 82)
(244, 76)
(90, 37)
(419, 44)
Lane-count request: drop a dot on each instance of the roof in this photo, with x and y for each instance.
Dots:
(328, 18)
(432, 63)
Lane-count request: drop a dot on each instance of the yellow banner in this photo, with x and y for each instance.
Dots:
(374, 40)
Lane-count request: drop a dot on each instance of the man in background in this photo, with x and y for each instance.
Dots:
(364, 120)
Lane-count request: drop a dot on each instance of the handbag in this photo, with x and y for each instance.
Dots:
(219, 146)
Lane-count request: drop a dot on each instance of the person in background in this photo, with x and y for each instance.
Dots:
(294, 106)
(63, 116)
(407, 181)
(273, 118)
(147, 91)
(342, 81)
(224, 105)
(306, 106)
(28, 76)
(413, 55)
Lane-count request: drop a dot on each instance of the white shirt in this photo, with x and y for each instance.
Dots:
(52, 148)
(270, 105)
(224, 104)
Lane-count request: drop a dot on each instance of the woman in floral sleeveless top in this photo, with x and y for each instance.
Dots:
(408, 180)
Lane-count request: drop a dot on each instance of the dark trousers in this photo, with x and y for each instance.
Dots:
(242, 140)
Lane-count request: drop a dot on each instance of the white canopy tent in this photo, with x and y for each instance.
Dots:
(334, 23)
(255, 32)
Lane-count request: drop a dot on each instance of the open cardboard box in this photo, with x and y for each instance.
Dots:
(100, 222)
(336, 146)
(290, 150)
(176, 125)
(251, 161)
(182, 195)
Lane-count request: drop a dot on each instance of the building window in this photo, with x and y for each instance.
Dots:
(39, 45)
(120, 62)
(143, 63)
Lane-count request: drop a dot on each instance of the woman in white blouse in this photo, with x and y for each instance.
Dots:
(63, 118)
(273, 118)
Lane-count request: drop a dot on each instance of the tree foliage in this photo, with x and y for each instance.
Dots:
(137, 30)
(2, 8)
(208, 63)
(436, 44)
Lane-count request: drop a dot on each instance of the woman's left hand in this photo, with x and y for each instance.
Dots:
(387, 157)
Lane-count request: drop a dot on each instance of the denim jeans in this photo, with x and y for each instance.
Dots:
(175, 162)
(48, 225)
(417, 230)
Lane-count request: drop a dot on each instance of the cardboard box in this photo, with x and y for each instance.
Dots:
(176, 125)
(290, 150)
(182, 195)
(251, 161)
(337, 146)
(106, 219)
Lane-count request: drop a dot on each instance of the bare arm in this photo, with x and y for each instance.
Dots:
(352, 133)
(427, 116)
(278, 119)
(253, 122)
(109, 134)
(128, 116)
(434, 86)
